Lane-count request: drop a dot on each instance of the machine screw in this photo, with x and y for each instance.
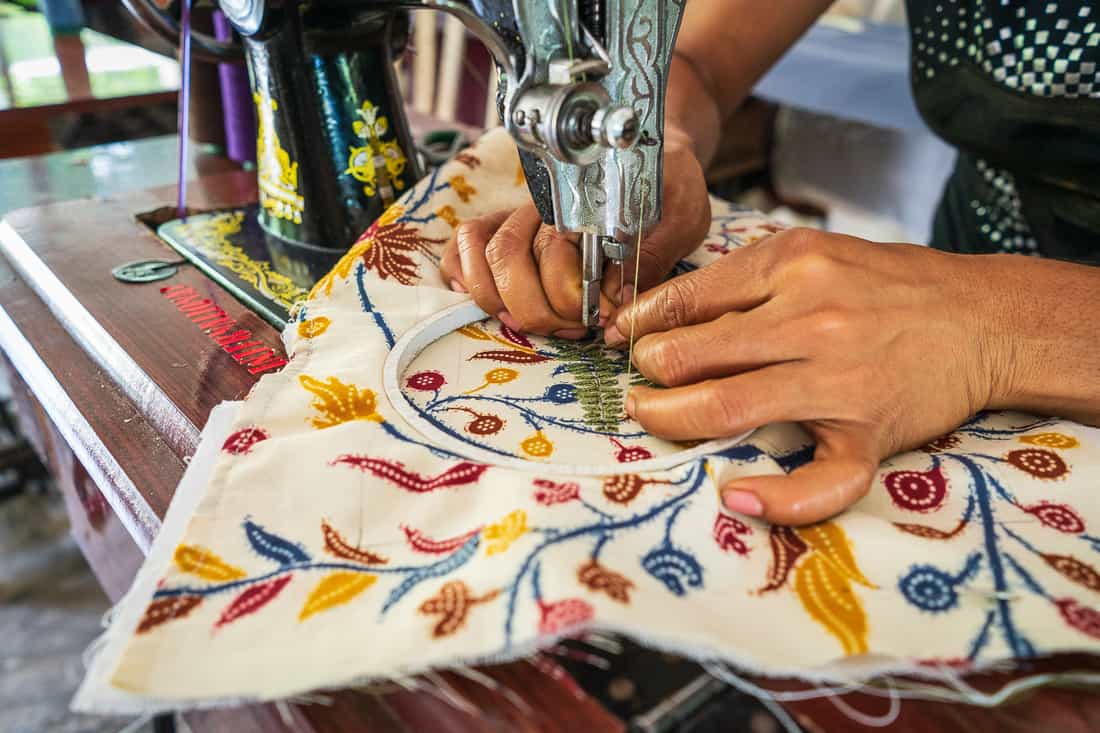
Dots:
(616, 127)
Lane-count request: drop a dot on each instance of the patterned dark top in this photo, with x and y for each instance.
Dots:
(1016, 87)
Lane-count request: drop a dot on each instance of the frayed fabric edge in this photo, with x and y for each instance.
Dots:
(97, 696)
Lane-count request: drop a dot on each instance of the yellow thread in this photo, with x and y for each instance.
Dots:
(637, 269)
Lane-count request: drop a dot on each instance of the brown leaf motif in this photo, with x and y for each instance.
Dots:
(597, 578)
(787, 547)
(162, 610)
(452, 605)
(1074, 570)
(336, 545)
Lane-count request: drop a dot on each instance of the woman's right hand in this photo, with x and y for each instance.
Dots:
(528, 274)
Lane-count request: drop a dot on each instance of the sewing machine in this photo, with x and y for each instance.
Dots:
(581, 91)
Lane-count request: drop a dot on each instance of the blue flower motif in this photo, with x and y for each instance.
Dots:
(561, 394)
(929, 589)
(674, 568)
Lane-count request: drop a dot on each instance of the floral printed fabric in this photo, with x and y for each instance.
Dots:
(332, 543)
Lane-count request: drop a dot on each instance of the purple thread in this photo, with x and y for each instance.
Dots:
(184, 103)
(238, 113)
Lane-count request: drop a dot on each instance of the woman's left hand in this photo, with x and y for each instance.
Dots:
(873, 348)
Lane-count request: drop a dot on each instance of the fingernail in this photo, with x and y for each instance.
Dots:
(630, 403)
(572, 333)
(603, 321)
(742, 502)
(612, 335)
(457, 287)
(506, 318)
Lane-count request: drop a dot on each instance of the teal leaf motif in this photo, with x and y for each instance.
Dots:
(273, 547)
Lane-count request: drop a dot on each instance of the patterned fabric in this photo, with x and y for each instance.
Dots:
(333, 543)
(518, 398)
(1036, 47)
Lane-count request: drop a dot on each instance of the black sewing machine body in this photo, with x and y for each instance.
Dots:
(581, 91)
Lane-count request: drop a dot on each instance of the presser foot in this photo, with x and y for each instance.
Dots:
(596, 250)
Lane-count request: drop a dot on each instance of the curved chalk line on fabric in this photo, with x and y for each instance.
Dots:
(427, 332)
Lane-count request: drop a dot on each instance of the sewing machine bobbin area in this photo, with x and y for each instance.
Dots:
(404, 355)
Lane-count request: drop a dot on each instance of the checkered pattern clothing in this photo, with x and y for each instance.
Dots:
(1043, 49)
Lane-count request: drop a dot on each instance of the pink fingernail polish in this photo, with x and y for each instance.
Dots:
(506, 318)
(742, 502)
(457, 287)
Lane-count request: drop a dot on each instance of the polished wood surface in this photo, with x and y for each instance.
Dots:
(117, 383)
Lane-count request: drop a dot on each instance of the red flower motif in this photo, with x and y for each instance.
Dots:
(549, 493)
(726, 529)
(241, 442)
(1084, 619)
(632, 453)
(562, 615)
(388, 254)
(918, 491)
(942, 444)
(482, 424)
(1038, 462)
(426, 381)
(1056, 516)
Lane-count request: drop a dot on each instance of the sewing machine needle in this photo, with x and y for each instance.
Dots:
(592, 263)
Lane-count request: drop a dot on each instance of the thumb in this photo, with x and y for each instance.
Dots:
(839, 475)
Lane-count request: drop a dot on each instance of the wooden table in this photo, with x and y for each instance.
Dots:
(114, 384)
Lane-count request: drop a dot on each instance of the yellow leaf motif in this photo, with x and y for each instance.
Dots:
(474, 332)
(501, 535)
(205, 564)
(827, 596)
(1051, 440)
(462, 189)
(338, 402)
(829, 540)
(314, 327)
(447, 214)
(334, 589)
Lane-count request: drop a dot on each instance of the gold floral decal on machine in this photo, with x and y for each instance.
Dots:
(378, 164)
(278, 174)
(213, 237)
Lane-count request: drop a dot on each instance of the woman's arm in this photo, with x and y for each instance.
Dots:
(723, 49)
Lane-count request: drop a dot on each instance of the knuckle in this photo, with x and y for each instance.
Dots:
(472, 234)
(673, 303)
(830, 323)
(730, 408)
(661, 360)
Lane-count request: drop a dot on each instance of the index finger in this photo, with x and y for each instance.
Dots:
(737, 282)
